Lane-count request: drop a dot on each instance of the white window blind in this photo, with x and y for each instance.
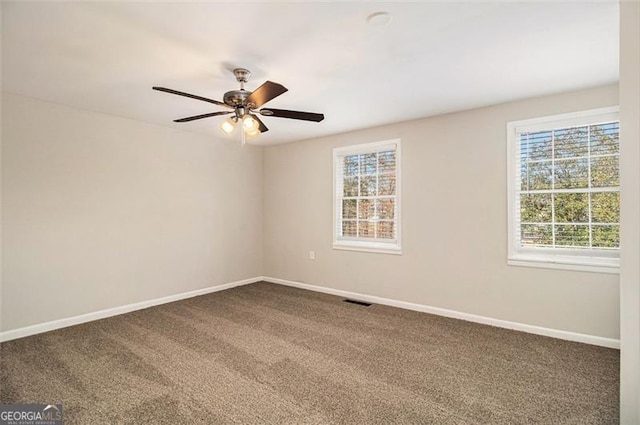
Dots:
(564, 191)
(366, 197)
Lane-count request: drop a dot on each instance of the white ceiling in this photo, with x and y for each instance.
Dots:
(431, 58)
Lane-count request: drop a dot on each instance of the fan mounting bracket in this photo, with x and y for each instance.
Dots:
(242, 75)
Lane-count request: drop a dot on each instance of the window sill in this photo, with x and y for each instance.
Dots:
(583, 264)
(393, 250)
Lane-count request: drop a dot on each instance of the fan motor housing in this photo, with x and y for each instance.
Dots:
(236, 97)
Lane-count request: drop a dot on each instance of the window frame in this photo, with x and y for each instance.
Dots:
(374, 246)
(589, 260)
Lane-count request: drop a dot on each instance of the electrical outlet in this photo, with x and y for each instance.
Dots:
(312, 255)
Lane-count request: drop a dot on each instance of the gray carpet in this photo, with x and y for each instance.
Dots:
(266, 353)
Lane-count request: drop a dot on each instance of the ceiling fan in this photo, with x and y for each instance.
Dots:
(244, 104)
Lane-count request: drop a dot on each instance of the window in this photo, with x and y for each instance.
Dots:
(367, 197)
(564, 191)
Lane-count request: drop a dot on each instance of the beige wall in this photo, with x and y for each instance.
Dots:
(454, 218)
(100, 212)
(630, 212)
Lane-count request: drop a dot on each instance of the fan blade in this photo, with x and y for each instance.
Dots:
(266, 92)
(197, 117)
(263, 127)
(192, 96)
(296, 115)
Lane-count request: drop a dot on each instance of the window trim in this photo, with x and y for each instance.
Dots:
(604, 261)
(378, 247)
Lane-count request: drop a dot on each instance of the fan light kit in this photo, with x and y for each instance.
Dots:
(244, 107)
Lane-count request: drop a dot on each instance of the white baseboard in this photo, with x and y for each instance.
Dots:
(89, 317)
(538, 330)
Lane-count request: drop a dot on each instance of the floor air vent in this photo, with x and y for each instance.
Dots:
(357, 302)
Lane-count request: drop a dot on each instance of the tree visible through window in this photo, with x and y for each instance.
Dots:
(366, 195)
(567, 188)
